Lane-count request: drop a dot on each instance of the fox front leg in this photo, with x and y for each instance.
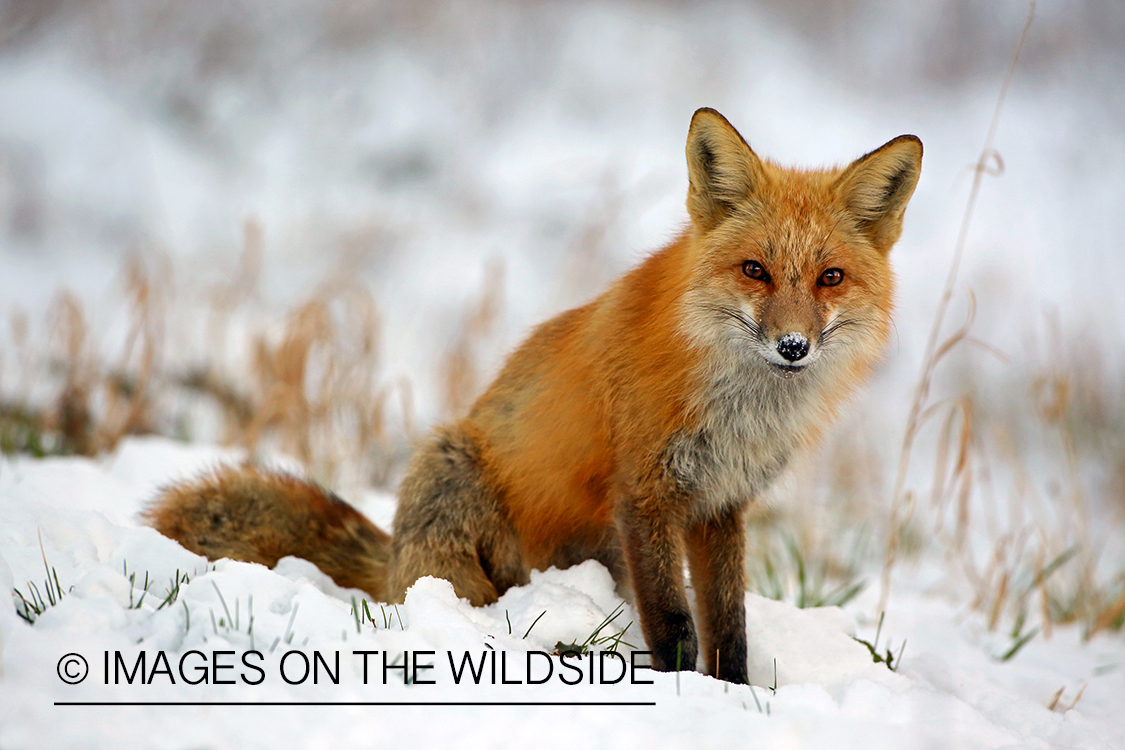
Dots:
(652, 539)
(715, 551)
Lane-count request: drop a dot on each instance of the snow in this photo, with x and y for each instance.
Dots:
(415, 151)
(949, 690)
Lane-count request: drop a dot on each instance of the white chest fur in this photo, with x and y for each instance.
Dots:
(750, 422)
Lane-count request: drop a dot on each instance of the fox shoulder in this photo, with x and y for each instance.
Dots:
(254, 515)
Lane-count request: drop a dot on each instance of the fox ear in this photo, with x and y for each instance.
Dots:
(877, 187)
(722, 170)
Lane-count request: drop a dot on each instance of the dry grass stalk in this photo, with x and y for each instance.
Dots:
(130, 386)
(225, 298)
(315, 389)
(19, 326)
(460, 367)
(1111, 615)
(1055, 698)
(957, 481)
(1052, 391)
(998, 601)
(989, 162)
(589, 263)
(73, 420)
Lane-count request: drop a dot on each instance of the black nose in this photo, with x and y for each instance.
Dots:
(793, 346)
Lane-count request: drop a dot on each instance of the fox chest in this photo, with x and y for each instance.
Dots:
(742, 441)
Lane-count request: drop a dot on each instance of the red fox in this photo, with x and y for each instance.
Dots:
(634, 430)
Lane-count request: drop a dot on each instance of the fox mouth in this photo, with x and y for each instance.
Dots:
(787, 371)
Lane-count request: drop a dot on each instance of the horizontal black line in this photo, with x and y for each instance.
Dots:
(355, 703)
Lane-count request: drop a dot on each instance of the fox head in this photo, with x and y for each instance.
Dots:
(789, 268)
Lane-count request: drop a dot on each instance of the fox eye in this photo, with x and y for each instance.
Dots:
(755, 270)
(831, 277)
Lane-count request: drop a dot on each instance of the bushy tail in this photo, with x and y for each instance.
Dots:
(251, 514)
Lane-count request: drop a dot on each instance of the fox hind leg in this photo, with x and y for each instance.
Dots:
(451, 524)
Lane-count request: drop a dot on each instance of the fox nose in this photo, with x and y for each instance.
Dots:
(793, 346)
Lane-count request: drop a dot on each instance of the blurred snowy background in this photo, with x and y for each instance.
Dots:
(316, 228)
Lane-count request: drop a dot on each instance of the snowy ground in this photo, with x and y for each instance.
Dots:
(428, 149)
(948, 692)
